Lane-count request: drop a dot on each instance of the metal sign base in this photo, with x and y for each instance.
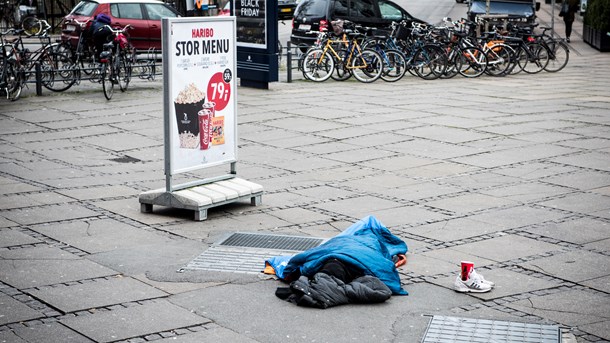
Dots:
(200, 198)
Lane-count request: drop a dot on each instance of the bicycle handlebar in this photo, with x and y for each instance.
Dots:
(119, 30)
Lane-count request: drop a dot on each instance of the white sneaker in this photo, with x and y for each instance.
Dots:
(475, 275)
(470, 285)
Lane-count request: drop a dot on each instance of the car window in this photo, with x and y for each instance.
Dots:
(312, 8)
(158, 11)
(362, 8)
(126, 11)
(85, 8)
(390, 11)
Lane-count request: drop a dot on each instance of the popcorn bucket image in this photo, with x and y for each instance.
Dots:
(187, 105)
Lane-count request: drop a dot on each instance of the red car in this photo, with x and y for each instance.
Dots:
(143, 15)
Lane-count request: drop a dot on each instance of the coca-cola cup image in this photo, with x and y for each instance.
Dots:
(187, 104)
(205, 129)
(211, 106)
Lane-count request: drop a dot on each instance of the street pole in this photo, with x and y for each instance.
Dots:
(553, 18)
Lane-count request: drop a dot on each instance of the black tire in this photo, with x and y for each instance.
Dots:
(59, 73)
(14, 81)
(472, 62)
(127, 61)
(430, 62)
(498, 59)
(318, 65)
(559, 55)
(341, 72)
(394, 66)
(107, 82)
(537, 61)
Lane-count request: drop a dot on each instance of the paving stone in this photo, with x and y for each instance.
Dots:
(469, 202)
(517, 216)
(587, 143)
(422, 190)
(213, 335)
(561, 307)
(360, 156)
(13, 201)
(585, 203)
(130, 208)
(432, 149)
(11, 186)
(437, 170)
(100, 293)
(454, 257)
(99, 192)
(9, 237)
(479, 180)
(400, 163)
(575, 230)
(49, 213)
(599, 329)
(358, 207)
(573, 265)
(51, 332)
(407, 215)
(4, 223)
(99, 235)
(445, 134)
(13, 311)
(601, 283)
(593, 160)
(133, 321)
(40, 266)
(10, 336)
(308, 163)
(536, 170)
(603, 245)
(422, 264)
(526, 192)
(455, 229)
(322, 193)
(515, 155)
(299, 215)
(519, 247)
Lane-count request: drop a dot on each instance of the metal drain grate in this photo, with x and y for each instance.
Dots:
(246, 252)
(263, 241)
(443, 329)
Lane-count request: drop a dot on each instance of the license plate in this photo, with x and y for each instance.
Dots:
(285, 10)
(305, 27)
(70, 28)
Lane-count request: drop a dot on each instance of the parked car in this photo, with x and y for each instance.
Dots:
(143, 15)
(286, 9)
(316, 15)
(512, 10)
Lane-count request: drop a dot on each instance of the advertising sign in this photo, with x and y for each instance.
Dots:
(199, 72)
(251, 23)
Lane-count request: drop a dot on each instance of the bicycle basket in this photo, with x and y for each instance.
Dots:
(337, 26)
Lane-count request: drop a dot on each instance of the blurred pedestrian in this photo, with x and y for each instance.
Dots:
(568, 12)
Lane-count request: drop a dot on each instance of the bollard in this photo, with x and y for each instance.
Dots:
(38, 73)
(288, 62)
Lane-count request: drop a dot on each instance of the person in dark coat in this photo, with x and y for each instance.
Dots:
(568, 17)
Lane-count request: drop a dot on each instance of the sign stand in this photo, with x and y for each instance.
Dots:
(200, 121)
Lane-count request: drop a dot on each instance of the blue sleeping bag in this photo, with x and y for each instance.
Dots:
(367, 245)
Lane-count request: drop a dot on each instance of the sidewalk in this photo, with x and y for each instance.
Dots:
(511, 173)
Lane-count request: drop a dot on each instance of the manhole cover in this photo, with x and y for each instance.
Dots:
(246, 252)
(465, 330)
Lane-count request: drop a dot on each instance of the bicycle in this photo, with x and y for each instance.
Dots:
(559, 51)
(365, 64)
(10, 76)
(116, 62)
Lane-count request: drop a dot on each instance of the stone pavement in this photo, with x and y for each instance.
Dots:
(512, 173)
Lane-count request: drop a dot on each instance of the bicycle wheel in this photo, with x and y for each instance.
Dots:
(367, 66)
(498, 59)
(430, 62)
(13, 81)
(471, 62)
(341, 72)
(394, 66)
(107, 82)
(559, 54)
(127, 58)
(58, 73)
(452, 69)
(31, 26)
(318, 66)
(536, 60)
